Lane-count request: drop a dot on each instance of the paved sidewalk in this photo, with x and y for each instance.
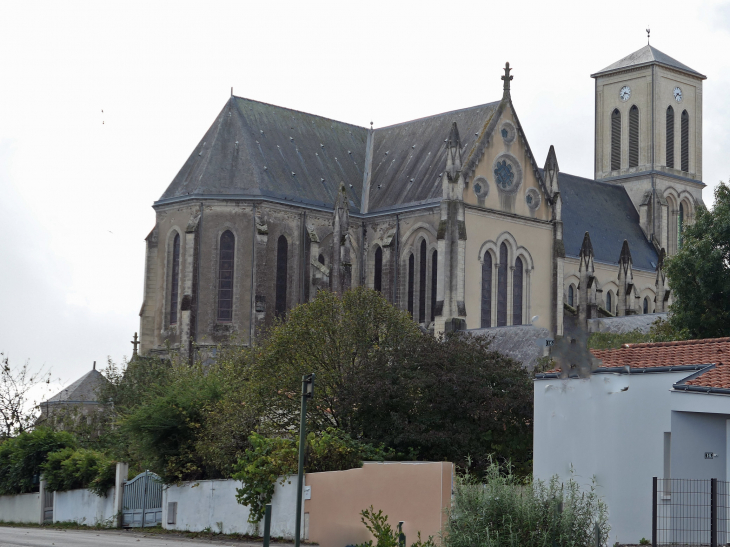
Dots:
(45, 537)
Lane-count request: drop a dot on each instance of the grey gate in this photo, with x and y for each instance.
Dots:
(142, 501)
(47, 506)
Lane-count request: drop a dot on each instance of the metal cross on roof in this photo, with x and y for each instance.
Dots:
(506, 79)
(135, 343)
(648, 33)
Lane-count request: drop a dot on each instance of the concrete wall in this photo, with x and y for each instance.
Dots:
(20, 508)
(616, 436)
(212, 504)
(83, 507)
(414, 492)
(693, 434)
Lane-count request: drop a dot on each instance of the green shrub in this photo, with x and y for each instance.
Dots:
(22, 457)
(384, 534)
(506, 512)
(68, 469)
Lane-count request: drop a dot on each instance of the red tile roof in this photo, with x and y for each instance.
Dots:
(718, 377)
(668, 354)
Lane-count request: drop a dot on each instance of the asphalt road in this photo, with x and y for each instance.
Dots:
(45, 537)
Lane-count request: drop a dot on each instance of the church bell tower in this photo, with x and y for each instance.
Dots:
(648, 138)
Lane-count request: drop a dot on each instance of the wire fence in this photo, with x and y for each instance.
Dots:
(689, 512)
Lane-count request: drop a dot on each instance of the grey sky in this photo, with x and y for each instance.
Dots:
(77, 184)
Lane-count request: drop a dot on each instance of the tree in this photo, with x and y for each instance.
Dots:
(17, 412)
(700, 272)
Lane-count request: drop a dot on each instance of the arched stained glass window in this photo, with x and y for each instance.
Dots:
(517, 292)
(615, 140)
(175, 280)
(571, 296)
(646, 304)
(685, 140)
(282, 274)
(609, 302)
(411, 276)
(680, 225)
(487, 291)
(670, 137)
(434, 281)
(502, 286)
(422, 284)
(225, 277)
(633, 136)
(378, 278)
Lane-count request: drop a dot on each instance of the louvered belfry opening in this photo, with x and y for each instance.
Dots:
(175, 280)
(411, 276)
(225, 277)
(487, 291)
(633, 136)
(517, 293)
(615, 140)
(502, 287)
(422, 284)
(685, 141)
(670, 137)
(378, 281)
(282, 265)
(434, 279)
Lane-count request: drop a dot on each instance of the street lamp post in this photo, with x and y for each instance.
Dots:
(307, 393)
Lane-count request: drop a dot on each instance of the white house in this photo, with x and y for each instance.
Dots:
(650, 410)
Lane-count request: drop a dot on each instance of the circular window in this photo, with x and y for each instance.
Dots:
(508, 132)
(532, 198)
(481, 187)
(507, 173)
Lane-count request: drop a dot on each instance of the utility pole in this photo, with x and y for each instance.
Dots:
(307, 393)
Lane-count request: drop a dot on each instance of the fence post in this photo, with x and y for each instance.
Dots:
(267, 524)
(119, 480)
(713, 512)
(42, 496)
(597, 535)
(654, 501)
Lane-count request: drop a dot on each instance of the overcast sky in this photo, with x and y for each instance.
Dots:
(102, 102)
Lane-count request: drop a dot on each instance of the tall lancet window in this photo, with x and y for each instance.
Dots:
(609, 303)
(411, 276)
(225, 277)
(517, 292)
(646, 304)
(422, 284)
(378, 278)
(502, 287)
(571, 296)
(633, 136)
(615, 140)
(685, 141)
(282, 259)
(670, 137)
(175, 279)
(434, 279)
(680, 225)
(487, 291)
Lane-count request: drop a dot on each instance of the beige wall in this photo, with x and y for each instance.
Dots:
(416, 493)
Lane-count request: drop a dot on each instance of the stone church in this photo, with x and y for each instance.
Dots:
(451, 217)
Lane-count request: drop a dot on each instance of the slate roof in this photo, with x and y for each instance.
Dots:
(622, 325)
(645, 56)
(409, 158)
(518, 342)
(606, 212)
(667, 354)
(82, 390)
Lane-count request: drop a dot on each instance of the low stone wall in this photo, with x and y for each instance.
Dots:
(83, 507)
(20, 508)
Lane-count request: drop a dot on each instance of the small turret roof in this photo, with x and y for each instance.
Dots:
(83, 390)
(646, 56)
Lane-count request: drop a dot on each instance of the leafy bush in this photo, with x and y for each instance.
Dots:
(68, 469)
(22, 457)
(385, 536)
(506, 512)
(660, 331)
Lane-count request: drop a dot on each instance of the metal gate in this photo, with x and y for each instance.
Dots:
(142, 501)
(47, 506)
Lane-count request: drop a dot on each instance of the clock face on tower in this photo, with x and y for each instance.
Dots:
(625, 93)
(678, 94)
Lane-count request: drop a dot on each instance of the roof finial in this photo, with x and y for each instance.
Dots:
(231, 91)
(648, 33)
(506, 79)
(94, 365)
(135, 343)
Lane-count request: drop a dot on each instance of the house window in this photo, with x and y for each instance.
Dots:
(670, 137)
(685, 141)
(422, 284)
(225, 277)
(633, 136)
(378, 281)
(434, 280)
(411, 273)
(175, 280)
(571, 296)
(517, 292)
(615, 140)
(487, 291)
(609, 303)
(502, 287)
(282, 259)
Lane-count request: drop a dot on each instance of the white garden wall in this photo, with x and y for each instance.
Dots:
(83, 507)
(20, 508)
(212, 504)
